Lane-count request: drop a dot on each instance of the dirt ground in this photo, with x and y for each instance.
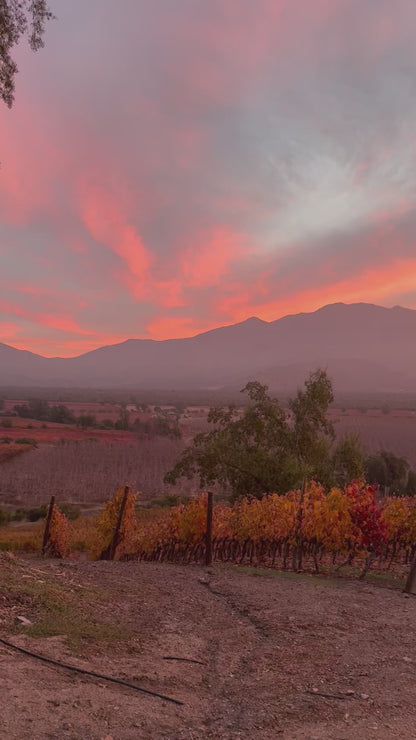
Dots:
(279, 655)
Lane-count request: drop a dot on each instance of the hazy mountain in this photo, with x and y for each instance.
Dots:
(364, 347)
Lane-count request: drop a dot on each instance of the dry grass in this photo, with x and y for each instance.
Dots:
(25, 537)
(54, 606)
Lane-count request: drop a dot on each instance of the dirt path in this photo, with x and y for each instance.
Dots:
(280, 656)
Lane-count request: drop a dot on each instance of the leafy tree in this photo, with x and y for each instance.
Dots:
(61, 415)
(19, 18)
(312, 431)
(258, 450)
(411, 483)
(388, 470)
(123, 420)
(40, 410)
(34, 409)
(348, 460)
(160, 426)
(86, 420)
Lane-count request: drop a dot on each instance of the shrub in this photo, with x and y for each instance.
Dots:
(27, 441)
(18, 515)
(4, 517)
(167, 501)
(71, 512)
(33, 515)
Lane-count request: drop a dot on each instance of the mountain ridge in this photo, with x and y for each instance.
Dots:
(362, 344)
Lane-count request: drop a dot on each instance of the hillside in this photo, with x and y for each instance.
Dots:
(364, 347)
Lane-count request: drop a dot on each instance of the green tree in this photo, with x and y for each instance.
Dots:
(259, 450)
(388, 471)
(123, 420)
(19, 18)
(411, 483)
(86, 420)
(312, 431)
(348, 460)
(61, 414)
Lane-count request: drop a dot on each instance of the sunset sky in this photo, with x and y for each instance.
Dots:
(170, 166)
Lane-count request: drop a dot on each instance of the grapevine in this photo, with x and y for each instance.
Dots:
(58, 542)
(348, 523)
(106, 527)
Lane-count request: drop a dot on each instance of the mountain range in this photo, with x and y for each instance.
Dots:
(363, 347)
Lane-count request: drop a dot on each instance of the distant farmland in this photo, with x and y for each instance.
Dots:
(392, 431)
(86, 466)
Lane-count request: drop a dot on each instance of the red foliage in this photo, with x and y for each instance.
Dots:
(367, 517)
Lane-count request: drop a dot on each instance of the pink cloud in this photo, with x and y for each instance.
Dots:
(207, 261)
(373, 284)
(8, 331)
(170, 327)
(157, 201)
(104, 218)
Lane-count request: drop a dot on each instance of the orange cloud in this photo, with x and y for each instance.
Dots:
(61, 322)
(8, 331)
(125, 211)
(373, 284)
(103, 216)
(204, 264)
(32, 165)
(169, 327)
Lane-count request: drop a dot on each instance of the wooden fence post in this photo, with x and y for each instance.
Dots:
(208, 533)
(47, 525)
(410, 587)
(297, 553)
(115, 539)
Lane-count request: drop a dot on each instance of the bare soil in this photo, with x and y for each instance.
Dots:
(289, 656)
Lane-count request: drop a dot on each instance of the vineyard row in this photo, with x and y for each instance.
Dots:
(303, 529)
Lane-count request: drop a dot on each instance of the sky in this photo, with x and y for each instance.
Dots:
(177, 165)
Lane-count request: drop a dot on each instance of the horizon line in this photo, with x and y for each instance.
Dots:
(206, 331)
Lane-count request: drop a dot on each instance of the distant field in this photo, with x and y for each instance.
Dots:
(89, 471)
(382, 431)
(87, 466)
(395, 431)
(9, 451)
(99, 410)
(54, 433)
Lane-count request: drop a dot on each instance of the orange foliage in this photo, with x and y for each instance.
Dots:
(399, 515)
(106, 525)
(348, 521)
(58, 544)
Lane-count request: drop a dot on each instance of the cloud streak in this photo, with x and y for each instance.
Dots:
(199, 163)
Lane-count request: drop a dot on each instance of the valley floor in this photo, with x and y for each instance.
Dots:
(279, 655)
